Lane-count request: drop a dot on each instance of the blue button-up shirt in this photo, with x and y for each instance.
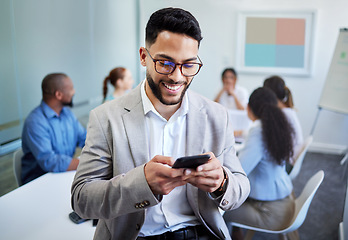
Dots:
(49, 141)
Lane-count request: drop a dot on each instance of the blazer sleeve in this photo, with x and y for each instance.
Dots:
(238, 186)
(110, 196)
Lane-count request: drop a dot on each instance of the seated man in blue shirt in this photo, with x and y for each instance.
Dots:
(51, 132)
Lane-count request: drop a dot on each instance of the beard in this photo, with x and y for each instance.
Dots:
(68, 104)
(156, 90)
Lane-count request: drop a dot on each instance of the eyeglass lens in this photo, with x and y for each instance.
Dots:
(167, 67)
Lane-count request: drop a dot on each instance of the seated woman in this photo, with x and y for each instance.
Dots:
(286, 103)
(122, 81)
(267, 148)
(232, 96)
(235, 98)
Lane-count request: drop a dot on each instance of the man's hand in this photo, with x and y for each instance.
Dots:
(207, 177)
(161, 178)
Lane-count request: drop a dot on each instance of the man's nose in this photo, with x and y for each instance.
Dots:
(176, 75)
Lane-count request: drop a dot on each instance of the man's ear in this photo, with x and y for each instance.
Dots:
(58, 94)
(142, 55)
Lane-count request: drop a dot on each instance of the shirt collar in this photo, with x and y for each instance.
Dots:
(148, 107)
(48, 111)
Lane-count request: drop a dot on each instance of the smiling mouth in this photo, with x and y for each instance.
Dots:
(172, 87)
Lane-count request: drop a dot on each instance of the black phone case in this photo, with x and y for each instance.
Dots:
(191, 161)
(76, 218)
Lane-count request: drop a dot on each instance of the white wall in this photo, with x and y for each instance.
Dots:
(218, 20)
(82, 38)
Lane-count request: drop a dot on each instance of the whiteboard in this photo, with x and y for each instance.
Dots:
(335, 92)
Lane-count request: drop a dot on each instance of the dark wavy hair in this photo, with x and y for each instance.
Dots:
(277, 132)
(174, 20)
(283, 93)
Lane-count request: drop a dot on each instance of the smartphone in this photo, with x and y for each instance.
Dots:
(76, 218)
(191, 161)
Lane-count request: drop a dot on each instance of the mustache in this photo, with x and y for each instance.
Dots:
(172, 82)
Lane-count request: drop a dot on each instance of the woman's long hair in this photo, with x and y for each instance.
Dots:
(283, 93)
(114, 75)
(277, 132)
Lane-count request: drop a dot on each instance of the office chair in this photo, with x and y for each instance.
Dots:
(302, 204)
(300, 157)
(17, 166)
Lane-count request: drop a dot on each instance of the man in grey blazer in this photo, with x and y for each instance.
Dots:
(125, 178)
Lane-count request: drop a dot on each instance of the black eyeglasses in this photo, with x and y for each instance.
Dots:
(166, 67)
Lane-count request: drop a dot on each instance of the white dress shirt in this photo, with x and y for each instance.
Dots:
(167, 138)
(229, 102)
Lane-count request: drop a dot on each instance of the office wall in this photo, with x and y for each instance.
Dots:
(218, 21)
(83, 38)
(86, 38)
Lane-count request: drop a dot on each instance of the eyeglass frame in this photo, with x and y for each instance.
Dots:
(176, 64)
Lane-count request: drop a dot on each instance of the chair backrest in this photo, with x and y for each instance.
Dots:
(299, 158)
(17, 165)
(302, 204)
(303, 201)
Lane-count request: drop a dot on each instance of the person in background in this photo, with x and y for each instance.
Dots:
(286, 103)
(232, 96)
(268, 147)
(125, 178)
(122, 81)
(51, 132)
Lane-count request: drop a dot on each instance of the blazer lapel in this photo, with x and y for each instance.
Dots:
(134, 124)
(196, 125)
(195, 135)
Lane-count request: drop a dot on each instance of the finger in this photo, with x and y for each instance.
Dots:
(205, 184)
(175, 173)
(161, 182)
(168, 172)
(163, 159)
(188, 173)
(213, 174)
(211, 165)
(172, 183)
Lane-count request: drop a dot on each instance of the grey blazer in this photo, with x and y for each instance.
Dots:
(110, 184)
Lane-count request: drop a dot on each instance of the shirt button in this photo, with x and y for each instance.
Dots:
(224, 202)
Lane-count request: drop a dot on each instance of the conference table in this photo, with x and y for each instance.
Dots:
(40, 210)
